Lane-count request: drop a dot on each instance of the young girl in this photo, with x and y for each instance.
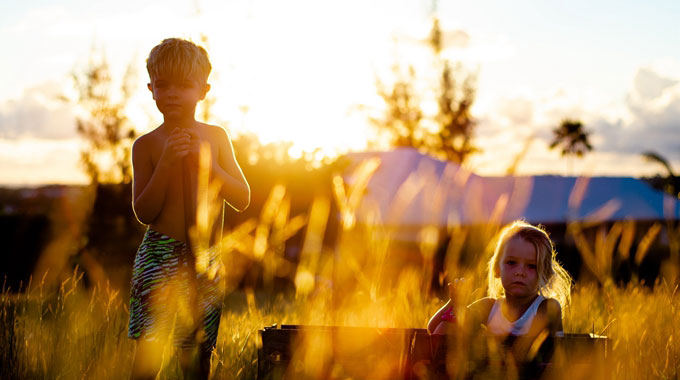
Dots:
(527, 288)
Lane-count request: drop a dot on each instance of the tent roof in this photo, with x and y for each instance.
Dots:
(410, 188)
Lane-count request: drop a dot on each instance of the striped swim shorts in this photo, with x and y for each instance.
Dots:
(169, 297)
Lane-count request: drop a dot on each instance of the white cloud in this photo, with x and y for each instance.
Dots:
(518, 110)
(40, 161)
(37, 113)
(649, 85)
(645, 119)
(654, 107)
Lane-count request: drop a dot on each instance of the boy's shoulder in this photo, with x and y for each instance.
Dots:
(148, 139)
(216, 134)
(212, 130)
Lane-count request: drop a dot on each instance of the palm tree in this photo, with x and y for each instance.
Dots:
(572, 138)
(672, 180)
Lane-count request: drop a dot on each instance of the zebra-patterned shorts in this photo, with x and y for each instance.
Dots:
(169, 297)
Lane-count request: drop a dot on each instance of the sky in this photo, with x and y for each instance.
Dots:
(305, 71)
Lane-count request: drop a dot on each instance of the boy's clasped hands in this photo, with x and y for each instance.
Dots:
(179, 144)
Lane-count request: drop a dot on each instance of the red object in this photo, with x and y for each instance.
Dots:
(448, 316)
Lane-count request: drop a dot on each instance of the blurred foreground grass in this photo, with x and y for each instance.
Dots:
(68, 331)
(76, 333)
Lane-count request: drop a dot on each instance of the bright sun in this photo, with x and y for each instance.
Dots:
(286, 105)
(301, 82)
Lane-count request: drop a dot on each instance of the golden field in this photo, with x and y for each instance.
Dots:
(70, 331)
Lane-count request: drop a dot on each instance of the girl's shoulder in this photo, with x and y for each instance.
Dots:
(550, 306)
(483, 302)
(550, 313)
(482, 307)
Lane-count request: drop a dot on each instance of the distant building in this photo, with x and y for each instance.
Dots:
(410, 190)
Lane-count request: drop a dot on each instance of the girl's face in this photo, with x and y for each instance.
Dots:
(517, 269)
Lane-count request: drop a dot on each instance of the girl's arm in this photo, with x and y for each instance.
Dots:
(446, 312)
(548, 317)
(437, 317)
(478, 314)
(554, 312)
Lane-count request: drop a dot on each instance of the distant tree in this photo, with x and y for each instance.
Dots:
(403, 117)
(455, 96)
(205, 106)
(656, 157)
(672, 181)
(107, 132)
(572, 138)
(448, 134)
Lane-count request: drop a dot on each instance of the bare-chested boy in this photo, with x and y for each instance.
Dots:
(176, 276)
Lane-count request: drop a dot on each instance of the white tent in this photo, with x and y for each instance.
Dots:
(410, 189)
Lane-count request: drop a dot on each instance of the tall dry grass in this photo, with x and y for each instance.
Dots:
(73, 332)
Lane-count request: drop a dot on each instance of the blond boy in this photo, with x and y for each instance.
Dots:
(180, 168)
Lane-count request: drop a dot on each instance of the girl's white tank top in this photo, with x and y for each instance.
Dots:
(499, 325)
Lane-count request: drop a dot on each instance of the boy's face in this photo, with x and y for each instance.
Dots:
(176, 98)
(517, 268)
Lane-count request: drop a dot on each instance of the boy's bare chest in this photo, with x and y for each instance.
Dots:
(191, 164)
(186, 172)
(182, 189)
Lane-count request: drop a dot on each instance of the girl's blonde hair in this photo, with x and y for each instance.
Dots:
(553, 280)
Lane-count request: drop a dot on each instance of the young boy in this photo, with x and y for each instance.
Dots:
(176, 278)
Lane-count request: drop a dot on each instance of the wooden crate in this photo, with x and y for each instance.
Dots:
(330, 352)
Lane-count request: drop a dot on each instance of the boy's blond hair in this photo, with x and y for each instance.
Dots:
(178, 58)
(553, 280)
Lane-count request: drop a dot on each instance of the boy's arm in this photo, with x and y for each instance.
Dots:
(234, 188)
(148, 195)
